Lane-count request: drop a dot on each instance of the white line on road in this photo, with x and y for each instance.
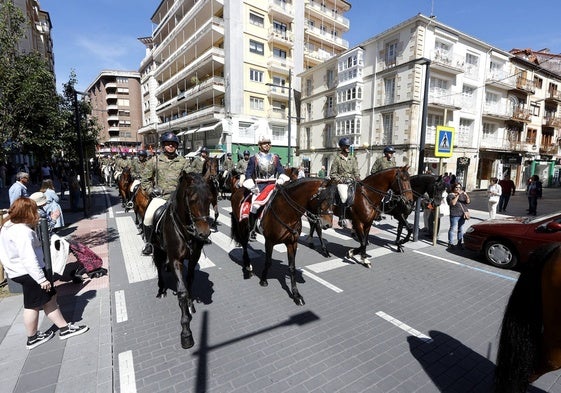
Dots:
(139, 267)
(127, 376)
(467, 266)
(121, 306)
(321, 281)
(404, 326)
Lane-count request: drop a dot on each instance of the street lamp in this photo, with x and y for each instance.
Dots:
(289, 153)
(80, 150)
(421, 163)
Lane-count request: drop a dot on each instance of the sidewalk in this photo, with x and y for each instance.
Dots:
(63, 365)
(85, 363)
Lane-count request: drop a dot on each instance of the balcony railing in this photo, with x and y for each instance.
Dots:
(448, 59)
(521, 114)
(552, 121)
(329, 13)
(525, 84)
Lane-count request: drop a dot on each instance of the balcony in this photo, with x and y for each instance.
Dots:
(110, 97)
(280, 36)
(278, 92)
(444, 100)
(552, 121)
(326, 36)
(280, 64)
(322, 12)
(550, 149)
(496, 111)
(501, 79)
(525, 85)
(554, 95)
(110, 86)
(281, 10)
(277, 114)
(521, 114)
(448, 62)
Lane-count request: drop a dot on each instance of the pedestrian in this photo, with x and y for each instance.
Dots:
(458, 200)
(344, 172)
(534, 191)
(74, 190)
(508, 188)
(159, 180)
(321, 173)
(51, 216)
(52, 206)
(19, 188)
(22, 256)
(494, 193)
(384, 162)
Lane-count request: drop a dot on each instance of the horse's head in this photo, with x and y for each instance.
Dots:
(438, 190)
(210, 168)
(292, 173)
(193, 205)
(402, 184)
(315, 197)
(325, 198)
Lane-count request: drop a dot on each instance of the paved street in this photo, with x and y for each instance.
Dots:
(425, 320)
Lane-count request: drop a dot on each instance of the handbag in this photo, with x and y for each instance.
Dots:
(466, 212)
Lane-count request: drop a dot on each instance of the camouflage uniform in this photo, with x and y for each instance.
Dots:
(241, 166)
(165, 172)
(344, 169)
(197, 165)
(137, 168)
(382, 163)
(228, 165)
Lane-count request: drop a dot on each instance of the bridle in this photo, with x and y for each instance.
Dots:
(189, 228)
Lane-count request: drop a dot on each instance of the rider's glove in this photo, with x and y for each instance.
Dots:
(255, 190)
(282, 179)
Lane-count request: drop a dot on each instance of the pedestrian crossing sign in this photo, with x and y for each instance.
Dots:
(444, 144)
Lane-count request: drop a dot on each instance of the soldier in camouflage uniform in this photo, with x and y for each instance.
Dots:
(344, 171)
(137, 168)
(241, 166)
(121, 162)
(199, 161)
(385, 162)
(159, 180)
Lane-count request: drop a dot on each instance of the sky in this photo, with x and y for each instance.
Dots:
(94, 35)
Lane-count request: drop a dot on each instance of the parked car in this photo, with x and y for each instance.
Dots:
(507, 242)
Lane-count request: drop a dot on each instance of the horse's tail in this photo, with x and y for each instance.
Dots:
(521, 329)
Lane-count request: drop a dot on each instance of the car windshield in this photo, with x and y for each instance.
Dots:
(529, 220)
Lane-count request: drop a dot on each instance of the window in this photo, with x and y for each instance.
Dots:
(535, 107)
(465, 131)
(123, 90)
(472, 60)
(387, 125)
(491, 98)
(330, 78)
(538, 82)
(309, 87)
(256, 75)
(280, 28)
(389, 87)
(489, 131)
(278, 133)
(256, 47)
(123, 102)
(279, 53)
(256, 103)
(391, 53)
(531, 135)
(256, 19)
(122, 80)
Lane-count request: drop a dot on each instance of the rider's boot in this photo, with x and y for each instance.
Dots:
(147, 250)
(252, 223)
(342, 219)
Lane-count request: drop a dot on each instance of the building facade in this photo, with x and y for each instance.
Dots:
(378, 94)
(220, 73)
(115, 98)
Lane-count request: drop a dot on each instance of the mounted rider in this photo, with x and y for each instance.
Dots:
(241, 166)
(228, 165)
(385, 162)
(344, 171)
(264, 170)
(137, 168)
(199, 161)
(159, 180)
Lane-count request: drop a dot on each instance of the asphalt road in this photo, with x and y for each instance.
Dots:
(425, 320)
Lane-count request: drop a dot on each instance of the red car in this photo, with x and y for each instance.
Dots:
(507, 242)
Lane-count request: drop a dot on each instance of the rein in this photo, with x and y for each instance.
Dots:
(390, 194)
(186, 229)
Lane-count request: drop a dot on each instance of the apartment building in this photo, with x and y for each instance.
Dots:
(115, 98)
(379, 93)
(37, 36)
(221, 73)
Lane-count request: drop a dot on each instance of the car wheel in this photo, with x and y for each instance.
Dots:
(500, 254)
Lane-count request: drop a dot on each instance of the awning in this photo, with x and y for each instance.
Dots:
(217, 154)
(209, 128)
(188, 132)
(192, 154)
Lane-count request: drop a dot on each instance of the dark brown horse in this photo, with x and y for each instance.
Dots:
(210, 174)
(124, 184)
(180, 235)
(140, 203)
(530, 342)
(282, 222)
(368, 201)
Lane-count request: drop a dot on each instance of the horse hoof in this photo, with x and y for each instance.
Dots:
(263, 283)
(187, 342)
(350, 254)
(299, 300)
(367, 264)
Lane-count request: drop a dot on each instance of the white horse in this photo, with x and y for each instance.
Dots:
(107, 171)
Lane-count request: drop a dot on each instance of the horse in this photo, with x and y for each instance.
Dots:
(282, 222)
(224, 183)
(124, 184)
(210, 174)
(530, 340)
(180, 235)
(140, 203)
(400, 210)
(108, 171)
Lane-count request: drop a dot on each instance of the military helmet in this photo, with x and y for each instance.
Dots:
(344, 142)
(228, 154)
(389, 149)
(142, 153)
(204, 150)
(246, 153)
(169, 137)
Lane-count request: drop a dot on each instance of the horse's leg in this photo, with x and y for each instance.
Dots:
(268, 260)
(362, 232)
(187, 340)
(291, 251)
(215, 223)
(159, 258)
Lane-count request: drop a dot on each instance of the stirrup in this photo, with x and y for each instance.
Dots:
(129, 205)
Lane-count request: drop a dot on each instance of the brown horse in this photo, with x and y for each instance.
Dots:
(282, 222)
(530, 342)
(124, 184)
(180, 235)
(210, 174)
(140, 203)
(367, 202)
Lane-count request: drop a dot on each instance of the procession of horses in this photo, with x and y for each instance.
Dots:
(530, 343)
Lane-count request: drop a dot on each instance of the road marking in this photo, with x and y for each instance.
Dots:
(477, 269)
(121, 306)
(321, 281)
(108, 202)
(127, 376)
(139, 267)
(404, 326)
